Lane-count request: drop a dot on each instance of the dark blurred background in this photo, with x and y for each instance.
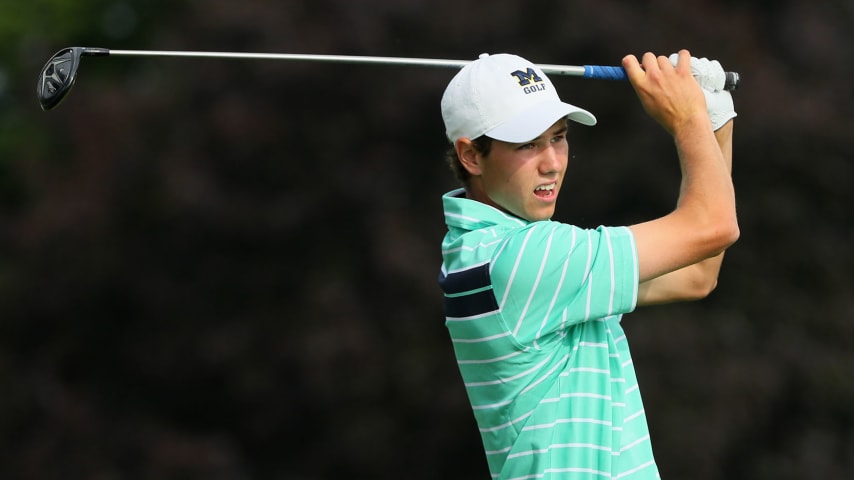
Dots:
(226, 269)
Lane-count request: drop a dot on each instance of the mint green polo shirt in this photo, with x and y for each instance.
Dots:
(533, 310)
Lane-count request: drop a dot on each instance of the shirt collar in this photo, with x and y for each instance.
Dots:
(462, 212)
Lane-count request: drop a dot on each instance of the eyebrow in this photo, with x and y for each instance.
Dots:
(550, 133)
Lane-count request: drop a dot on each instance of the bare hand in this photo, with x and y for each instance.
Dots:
(669, 94)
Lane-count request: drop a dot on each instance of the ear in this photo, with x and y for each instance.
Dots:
(469, 157)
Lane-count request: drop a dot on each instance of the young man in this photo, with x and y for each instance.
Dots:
(533, 306)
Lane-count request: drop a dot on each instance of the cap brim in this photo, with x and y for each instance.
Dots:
(532, 122)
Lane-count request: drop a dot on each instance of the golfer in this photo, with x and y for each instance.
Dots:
(533, 306)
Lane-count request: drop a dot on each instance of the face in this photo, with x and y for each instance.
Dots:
(523, 179)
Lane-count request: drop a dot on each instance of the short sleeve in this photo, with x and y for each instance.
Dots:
(550, 275)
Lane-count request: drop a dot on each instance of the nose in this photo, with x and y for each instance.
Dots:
(552, 161)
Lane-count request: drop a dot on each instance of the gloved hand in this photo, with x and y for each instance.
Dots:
(711, 77)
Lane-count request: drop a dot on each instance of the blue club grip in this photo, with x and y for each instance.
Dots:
(604, 73)
(618, 73)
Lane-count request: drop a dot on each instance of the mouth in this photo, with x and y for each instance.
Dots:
(547, 191)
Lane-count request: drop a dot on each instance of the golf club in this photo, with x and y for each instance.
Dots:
(59, 73)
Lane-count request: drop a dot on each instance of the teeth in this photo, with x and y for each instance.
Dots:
(546, 187)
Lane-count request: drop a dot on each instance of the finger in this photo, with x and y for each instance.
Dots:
(648, 66)
(664, 64)
(684, 62)
(650, 62)
(633, 69)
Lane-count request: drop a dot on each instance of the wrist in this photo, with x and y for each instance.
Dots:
(724, 131)
(695, 124)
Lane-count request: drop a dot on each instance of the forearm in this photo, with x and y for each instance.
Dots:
(706, 162)
(723, 136)
(709, 268)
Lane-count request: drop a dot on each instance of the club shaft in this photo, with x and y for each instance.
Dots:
(423, 62)
(586, 71)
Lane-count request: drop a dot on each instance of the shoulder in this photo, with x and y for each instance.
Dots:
(547, 235)
(546, 245)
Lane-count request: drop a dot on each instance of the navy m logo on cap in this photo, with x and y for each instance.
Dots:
(527, 77)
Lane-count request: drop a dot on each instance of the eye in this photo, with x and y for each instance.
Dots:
(527, 146)
(559, 138)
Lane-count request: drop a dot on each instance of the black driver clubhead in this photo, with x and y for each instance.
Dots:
(57, 77)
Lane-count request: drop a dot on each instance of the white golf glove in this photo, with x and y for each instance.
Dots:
(711, 77)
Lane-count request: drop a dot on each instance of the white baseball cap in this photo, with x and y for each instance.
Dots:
(504, 97)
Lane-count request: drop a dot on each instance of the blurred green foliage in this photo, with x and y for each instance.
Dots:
(227, 269)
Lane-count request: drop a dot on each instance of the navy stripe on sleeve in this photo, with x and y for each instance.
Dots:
(458, 303)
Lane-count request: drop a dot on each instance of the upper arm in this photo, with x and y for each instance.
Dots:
(676, 263)
(672, 242)
(693, 282)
